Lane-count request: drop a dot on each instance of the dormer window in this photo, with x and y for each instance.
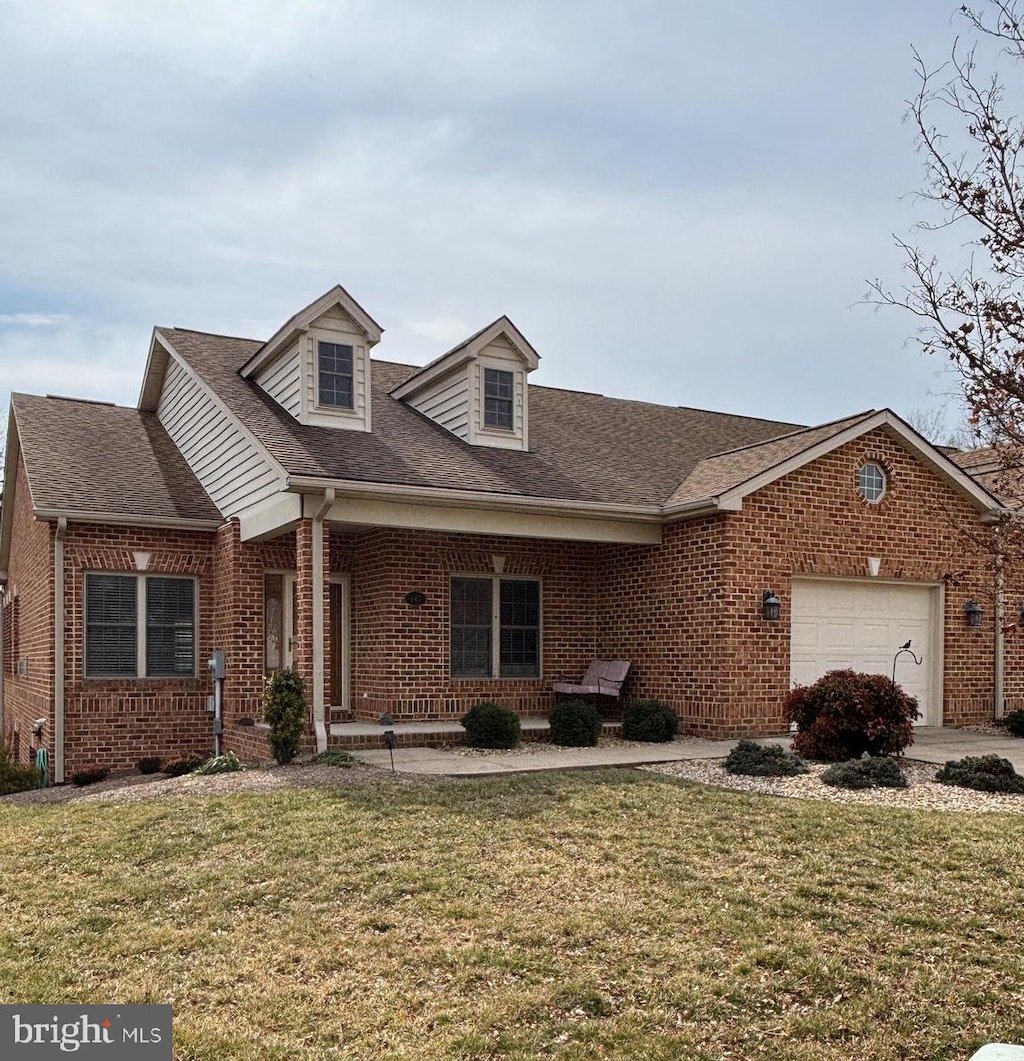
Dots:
(334, 375)
(498, 393)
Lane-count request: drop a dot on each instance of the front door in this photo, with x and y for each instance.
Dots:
(278, 620)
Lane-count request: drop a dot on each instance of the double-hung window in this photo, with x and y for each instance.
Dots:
(498, 388)
(140, 626)
(334, 375)
(495, 627)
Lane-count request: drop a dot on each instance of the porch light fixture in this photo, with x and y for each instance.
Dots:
(771, 606)
(974, 612)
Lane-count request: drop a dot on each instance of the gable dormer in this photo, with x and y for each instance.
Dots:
(317, 366)
(478, 389)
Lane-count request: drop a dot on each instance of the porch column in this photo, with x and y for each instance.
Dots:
(312, 603)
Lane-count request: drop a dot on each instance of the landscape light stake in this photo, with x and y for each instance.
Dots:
(389, 740)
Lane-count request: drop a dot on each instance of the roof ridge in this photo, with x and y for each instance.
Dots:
(212, 335)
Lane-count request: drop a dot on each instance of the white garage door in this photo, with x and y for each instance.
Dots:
(839, 624)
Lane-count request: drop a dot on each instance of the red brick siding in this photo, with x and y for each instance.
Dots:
(117, 721)
(29, 626)
(690, 618)
(400, 653)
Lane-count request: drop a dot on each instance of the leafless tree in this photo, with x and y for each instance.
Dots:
(971, 310)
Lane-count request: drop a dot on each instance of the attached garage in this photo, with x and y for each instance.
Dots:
(860, 624)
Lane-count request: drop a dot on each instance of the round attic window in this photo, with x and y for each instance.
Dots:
(871, 482)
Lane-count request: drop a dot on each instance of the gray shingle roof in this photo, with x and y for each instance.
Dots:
(717, 474)
(87, 457)
(583, 447)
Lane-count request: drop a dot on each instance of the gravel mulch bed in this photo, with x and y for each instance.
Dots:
(923, 791)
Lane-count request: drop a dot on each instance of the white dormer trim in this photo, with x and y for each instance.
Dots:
(283, 339)
(451, 389)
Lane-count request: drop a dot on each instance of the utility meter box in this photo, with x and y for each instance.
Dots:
(216, 665)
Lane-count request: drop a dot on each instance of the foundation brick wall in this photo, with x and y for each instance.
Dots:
(28, 626)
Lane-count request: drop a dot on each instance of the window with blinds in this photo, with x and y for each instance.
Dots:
(495, 627)
(139, 626)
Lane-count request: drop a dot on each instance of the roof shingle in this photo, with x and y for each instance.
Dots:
(87, 457)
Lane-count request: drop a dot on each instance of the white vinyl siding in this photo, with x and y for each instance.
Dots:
(446, 402)
(283, 382)
(230, 467)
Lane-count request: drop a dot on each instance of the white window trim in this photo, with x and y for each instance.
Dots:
(140, 628)
(885, 481)
(496, 580)
(327, 407)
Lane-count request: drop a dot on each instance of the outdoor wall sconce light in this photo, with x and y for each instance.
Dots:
(771, 606)
(415, 598)
(1021, 615)
(974, 612)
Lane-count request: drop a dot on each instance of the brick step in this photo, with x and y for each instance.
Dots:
(364, 736)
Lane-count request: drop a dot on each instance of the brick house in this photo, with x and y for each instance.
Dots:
(413, 540)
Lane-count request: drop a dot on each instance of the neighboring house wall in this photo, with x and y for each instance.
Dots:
(116, 721)
(229, 465)
(29, 626)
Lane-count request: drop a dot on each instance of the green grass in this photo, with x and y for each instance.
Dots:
(607, 914)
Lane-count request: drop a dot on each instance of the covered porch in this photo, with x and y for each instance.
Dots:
(419, 623)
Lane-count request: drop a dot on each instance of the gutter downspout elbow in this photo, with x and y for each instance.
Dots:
(58, 650)
(319, 707)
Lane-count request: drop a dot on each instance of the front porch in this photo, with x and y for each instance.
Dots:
(360, 736)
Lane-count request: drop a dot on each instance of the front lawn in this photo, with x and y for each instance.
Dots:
(613, 914)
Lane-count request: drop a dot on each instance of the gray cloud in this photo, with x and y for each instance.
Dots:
(675, 202)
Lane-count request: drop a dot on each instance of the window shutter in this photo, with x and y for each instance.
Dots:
(111, 631)
(170, 627)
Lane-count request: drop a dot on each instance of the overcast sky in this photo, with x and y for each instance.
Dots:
(675, 201)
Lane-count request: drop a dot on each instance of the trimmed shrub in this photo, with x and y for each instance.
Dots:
(845, 714)
(334, 758)
(1015, 723)
(150, 764)
(575, 724)
(763, 760)
(90, 775)
(490, 725)
(185, 765)
(985, 773)
(15, 776)
(650, 721)
(228, 763)
(284, 709)
(872, 772)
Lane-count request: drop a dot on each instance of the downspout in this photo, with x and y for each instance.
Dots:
(319, 709)
(58, 650)
(999, 705)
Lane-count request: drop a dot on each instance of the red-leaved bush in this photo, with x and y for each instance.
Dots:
(844, 714)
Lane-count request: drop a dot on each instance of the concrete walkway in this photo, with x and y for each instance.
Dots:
(931, 745)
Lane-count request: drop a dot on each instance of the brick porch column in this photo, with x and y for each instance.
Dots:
(312, 649)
